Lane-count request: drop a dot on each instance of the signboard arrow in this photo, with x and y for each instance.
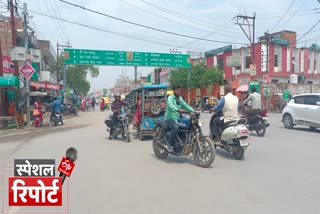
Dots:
(27, 70)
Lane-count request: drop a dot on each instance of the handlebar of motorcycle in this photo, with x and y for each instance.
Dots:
(188, 112)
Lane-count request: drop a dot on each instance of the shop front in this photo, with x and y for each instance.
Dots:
(9, 87)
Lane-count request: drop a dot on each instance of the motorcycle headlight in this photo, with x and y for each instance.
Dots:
(200, 122)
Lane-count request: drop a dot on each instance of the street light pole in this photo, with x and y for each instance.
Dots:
(25, 29)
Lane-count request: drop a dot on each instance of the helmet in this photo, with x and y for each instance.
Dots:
(116, 95)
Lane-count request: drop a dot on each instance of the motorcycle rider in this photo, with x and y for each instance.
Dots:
(255, 99)
(229, 105)
(116, 107)
(175, 106)
(56, 108)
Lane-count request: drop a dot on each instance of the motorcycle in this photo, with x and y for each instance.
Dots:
(234, 136)
(120, 127)
(68, 109)
(57, 119)
(258, 122)
(189, 139)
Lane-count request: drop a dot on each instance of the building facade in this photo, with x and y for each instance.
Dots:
(276, 59)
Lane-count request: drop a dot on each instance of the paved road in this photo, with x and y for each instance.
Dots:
(278, 175)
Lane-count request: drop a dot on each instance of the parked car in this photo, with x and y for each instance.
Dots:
(303, 109)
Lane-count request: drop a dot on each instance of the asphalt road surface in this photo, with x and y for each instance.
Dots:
(279, 174)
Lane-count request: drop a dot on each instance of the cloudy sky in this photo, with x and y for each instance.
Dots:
(210, 19)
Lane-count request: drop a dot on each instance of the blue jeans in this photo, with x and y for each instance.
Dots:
(173, 126)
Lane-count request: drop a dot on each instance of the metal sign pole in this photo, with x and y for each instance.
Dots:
(135, 76)
(64, 77)
(189, 70)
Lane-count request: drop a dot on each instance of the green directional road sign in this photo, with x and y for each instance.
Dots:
(125, 58)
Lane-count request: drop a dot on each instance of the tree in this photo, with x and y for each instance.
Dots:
(76, 75)
(212, 76)
(314, 47)
(179, 77)
(196, 74)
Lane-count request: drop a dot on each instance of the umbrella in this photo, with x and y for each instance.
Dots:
(243, 88)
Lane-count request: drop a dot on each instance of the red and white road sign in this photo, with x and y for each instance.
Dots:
(27, 70)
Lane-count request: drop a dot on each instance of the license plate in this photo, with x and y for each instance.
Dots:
(244, 143)
(265, 119)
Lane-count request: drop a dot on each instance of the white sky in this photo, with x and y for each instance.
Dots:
(216, 24)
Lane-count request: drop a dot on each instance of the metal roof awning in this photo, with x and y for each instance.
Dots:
(9, 81)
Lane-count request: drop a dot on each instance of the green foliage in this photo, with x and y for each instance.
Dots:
(179, 77)
(196, 75)
(212, 76)
(314, 47)
(76, 75)
(199, 76)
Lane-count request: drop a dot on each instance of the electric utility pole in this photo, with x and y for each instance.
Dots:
(250, 22)
(25, 29)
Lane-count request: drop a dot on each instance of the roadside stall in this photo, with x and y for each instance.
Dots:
(9, 116)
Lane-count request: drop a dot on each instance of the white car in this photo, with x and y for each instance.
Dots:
(303, 109)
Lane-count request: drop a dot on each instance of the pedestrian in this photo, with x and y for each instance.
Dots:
(93, 103)
(87, 104)
(36, 113)
(137, 116)
(102, 104)
(83, 104)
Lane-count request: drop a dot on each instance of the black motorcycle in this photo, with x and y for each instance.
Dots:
(120, 127)
(68, 109)
(189, 139)
(256, 122)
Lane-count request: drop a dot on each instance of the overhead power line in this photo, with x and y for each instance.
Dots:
(180, 23)
(190, 19)
(283, 15)
(141, 38)
(148, 27)
(306, 33)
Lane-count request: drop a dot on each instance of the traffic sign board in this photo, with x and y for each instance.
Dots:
(125, 58)
(253, 70)
(27, 70)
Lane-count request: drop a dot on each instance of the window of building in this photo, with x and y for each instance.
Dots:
(275, 60)
(274, 81)
(309, 82)
(248, 61)
(220, 63)
(308, 64)
(315, 65)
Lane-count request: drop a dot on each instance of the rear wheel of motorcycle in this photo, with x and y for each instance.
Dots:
(239, 153)
(128, 136)
(207, 156)
(260, 127)
(75, 113)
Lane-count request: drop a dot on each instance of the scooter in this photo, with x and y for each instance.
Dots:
(234, 136)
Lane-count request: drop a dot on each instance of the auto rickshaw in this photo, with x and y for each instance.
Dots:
(208, 103)
(153, 106)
